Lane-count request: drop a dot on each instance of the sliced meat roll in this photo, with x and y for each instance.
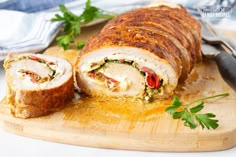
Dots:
(37, 84)
(143, 53)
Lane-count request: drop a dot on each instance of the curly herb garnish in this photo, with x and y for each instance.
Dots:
(190, 115)
(72, 22)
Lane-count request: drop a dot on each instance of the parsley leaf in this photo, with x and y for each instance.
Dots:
(174, 105)
(64, 41)
(189, 115)
(188, 119)
(80, 45)
(197, 108)
(177, 115)
(72, 22)
(92, 13)
(206, 120)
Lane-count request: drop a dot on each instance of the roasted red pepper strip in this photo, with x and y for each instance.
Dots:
(92, 75)
(34, 58)
(116, 83)
(104, 78)
(122, 60)
(51, 63)
(33, 76)
(40, 60)
(152, 79)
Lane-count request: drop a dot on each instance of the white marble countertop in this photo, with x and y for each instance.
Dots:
(12, 145)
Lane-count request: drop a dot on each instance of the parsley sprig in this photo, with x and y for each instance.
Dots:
(72, 22)
(190, 115)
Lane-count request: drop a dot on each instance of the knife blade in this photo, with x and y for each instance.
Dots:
(225, 62)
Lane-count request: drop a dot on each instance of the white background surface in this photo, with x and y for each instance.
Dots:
(16, 146)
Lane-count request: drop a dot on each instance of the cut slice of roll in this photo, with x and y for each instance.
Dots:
(37, 84)
(143, 53)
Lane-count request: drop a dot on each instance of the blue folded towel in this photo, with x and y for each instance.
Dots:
(31, 5)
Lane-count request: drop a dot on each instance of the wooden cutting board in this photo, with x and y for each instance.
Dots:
(130, 124)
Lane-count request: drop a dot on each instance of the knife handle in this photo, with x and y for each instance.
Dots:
(227, 66)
